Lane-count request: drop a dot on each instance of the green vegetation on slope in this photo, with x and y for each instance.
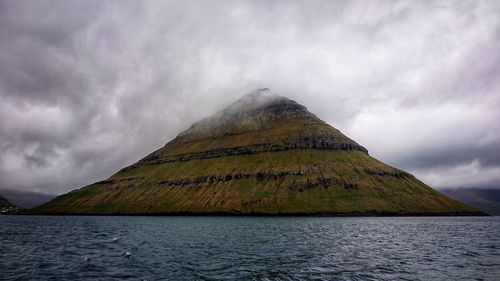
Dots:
(304, 181)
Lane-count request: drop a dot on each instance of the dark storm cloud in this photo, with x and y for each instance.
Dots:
(87, 87)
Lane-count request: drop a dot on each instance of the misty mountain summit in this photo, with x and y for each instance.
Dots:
(263, 154)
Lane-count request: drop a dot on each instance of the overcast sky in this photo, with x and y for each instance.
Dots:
(88, 87)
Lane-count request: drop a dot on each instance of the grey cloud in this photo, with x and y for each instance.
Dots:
(88, 87)
(449, 155)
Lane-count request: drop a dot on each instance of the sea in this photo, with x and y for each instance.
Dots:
(249, 248)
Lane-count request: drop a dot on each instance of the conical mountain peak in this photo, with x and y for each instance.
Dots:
(257, 98)
(260, 121)
(257, 107)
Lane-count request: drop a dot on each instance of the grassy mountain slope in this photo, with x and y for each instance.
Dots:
(287, 182)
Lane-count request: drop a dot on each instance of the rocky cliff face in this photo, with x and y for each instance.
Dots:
(264, 154)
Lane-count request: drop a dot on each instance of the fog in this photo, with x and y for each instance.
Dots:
(88, 87)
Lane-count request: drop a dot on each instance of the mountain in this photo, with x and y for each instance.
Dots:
(4, 202)
(264, 154)
(7, 208)
(26, 199)
(484, 199)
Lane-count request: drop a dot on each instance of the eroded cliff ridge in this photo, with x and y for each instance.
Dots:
(259, 122)
(264, 154)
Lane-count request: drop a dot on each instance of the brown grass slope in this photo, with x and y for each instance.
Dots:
(264, 154)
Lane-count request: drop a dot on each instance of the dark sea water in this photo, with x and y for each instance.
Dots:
(249, 248)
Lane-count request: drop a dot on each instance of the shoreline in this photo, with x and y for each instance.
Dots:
(231, 214)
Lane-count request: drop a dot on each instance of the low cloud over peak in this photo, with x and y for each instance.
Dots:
(88, 87)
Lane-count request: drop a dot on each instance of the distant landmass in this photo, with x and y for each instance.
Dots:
(4, 202)
(7, 208)
(264, 154)
(484, 199)
(26, 199)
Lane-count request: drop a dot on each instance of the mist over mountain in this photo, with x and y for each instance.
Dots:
(97, 85)
(263, 154)
(249, 140)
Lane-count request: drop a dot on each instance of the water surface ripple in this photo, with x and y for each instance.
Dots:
(249, 248)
